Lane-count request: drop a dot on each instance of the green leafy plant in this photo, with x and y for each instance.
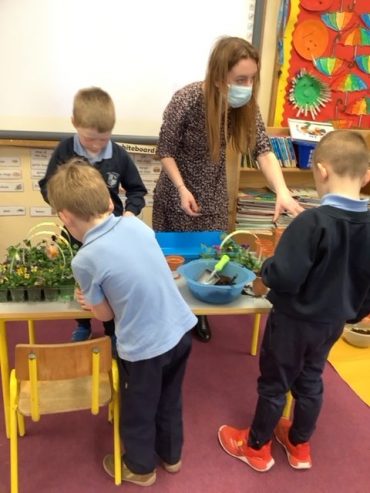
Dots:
(45, 264)
(240, 253)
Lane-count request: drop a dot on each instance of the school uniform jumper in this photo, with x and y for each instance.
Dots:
(319, 278)
(117, 168)
(121, 260)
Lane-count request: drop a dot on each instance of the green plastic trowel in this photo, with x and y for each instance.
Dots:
(211, 277)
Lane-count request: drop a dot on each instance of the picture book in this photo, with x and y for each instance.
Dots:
(308, 130)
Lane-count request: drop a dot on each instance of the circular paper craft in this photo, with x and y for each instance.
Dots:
(308, 94)
(310, 39)
(316, 5)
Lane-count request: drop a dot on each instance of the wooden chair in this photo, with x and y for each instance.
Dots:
(58, 378)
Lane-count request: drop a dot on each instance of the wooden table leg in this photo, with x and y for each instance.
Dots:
(255, 333)
(31, 332)
(4, 364)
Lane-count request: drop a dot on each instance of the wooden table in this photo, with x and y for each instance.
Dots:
(45, 310)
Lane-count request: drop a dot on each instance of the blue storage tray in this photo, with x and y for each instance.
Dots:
(187, 244)
(304, 151)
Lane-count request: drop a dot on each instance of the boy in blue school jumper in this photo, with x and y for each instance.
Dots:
(319, 279)
(123, 274)
(94, 119)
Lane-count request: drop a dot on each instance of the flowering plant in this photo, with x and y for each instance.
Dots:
(45, 264)
(240, 253)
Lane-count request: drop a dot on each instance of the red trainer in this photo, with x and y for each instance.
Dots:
(298, 455)
(235, 443)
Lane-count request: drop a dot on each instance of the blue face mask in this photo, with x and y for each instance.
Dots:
(238, 96)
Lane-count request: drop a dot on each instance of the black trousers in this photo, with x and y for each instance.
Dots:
(293, 356)
(108, 326)
(151, 408)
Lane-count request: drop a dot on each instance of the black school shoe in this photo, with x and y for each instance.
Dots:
(202, 330)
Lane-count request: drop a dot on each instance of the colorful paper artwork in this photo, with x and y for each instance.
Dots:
(308, 94)
(326, 64)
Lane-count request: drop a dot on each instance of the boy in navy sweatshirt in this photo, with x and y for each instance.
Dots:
(319, 279)
(94, 118)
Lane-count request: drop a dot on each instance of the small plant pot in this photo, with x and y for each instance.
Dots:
(358, 335)
(34, 293)
(51, 293)
(17, 294)
(277, 235)
(174, 262)
(258, 286)
(67, 293)
(3, 295)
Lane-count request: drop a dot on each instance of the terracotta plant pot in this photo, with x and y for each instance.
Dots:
(259, 288)
(174, 262)
(277, 235)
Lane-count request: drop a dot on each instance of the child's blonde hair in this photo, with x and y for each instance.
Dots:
(346, 151)
(94, 108)
(79, 188)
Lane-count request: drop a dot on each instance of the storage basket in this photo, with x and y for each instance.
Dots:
(304, 151)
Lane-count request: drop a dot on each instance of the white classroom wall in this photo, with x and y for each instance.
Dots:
(29, 76)
(139, 51)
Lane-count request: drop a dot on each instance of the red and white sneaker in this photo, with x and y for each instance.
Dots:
(299, 456)
(235, 443)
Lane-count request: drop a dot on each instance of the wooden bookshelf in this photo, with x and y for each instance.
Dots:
(239, 177)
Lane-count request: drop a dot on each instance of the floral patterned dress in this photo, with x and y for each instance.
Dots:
(183, 136)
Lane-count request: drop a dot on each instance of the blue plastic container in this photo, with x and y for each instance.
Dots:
(209, 293)
(187, 244)
(304, 152)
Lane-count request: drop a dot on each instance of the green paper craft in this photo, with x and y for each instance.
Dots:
(308, 94)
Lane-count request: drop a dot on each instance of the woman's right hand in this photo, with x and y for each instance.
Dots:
(188, 202)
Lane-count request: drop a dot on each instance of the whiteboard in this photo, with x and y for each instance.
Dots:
(139, 51)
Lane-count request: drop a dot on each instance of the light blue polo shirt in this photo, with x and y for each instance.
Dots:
(345, 203)
(121, 260)
(105, 153)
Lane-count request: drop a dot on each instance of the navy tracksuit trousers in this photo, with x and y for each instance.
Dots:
(293, 356)
(151, 408)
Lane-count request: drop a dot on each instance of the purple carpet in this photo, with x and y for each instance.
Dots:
(63, 454)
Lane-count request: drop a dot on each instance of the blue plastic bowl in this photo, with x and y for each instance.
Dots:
(210, 293)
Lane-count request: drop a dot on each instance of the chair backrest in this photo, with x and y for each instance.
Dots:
(63, 361)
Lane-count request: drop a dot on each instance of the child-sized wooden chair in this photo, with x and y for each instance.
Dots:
(57, 378)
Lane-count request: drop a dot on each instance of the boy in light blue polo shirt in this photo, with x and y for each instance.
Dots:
(123, 274)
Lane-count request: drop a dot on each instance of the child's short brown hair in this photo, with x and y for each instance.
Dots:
(345, 150)
(79, 188)
(94, 108)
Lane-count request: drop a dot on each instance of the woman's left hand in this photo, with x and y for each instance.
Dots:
(286, 203)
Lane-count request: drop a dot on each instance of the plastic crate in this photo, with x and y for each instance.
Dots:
(187, 244)
(210, 293)
(304, 152)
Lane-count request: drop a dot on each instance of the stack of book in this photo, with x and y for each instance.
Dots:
(306, 196)
(255, 211)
